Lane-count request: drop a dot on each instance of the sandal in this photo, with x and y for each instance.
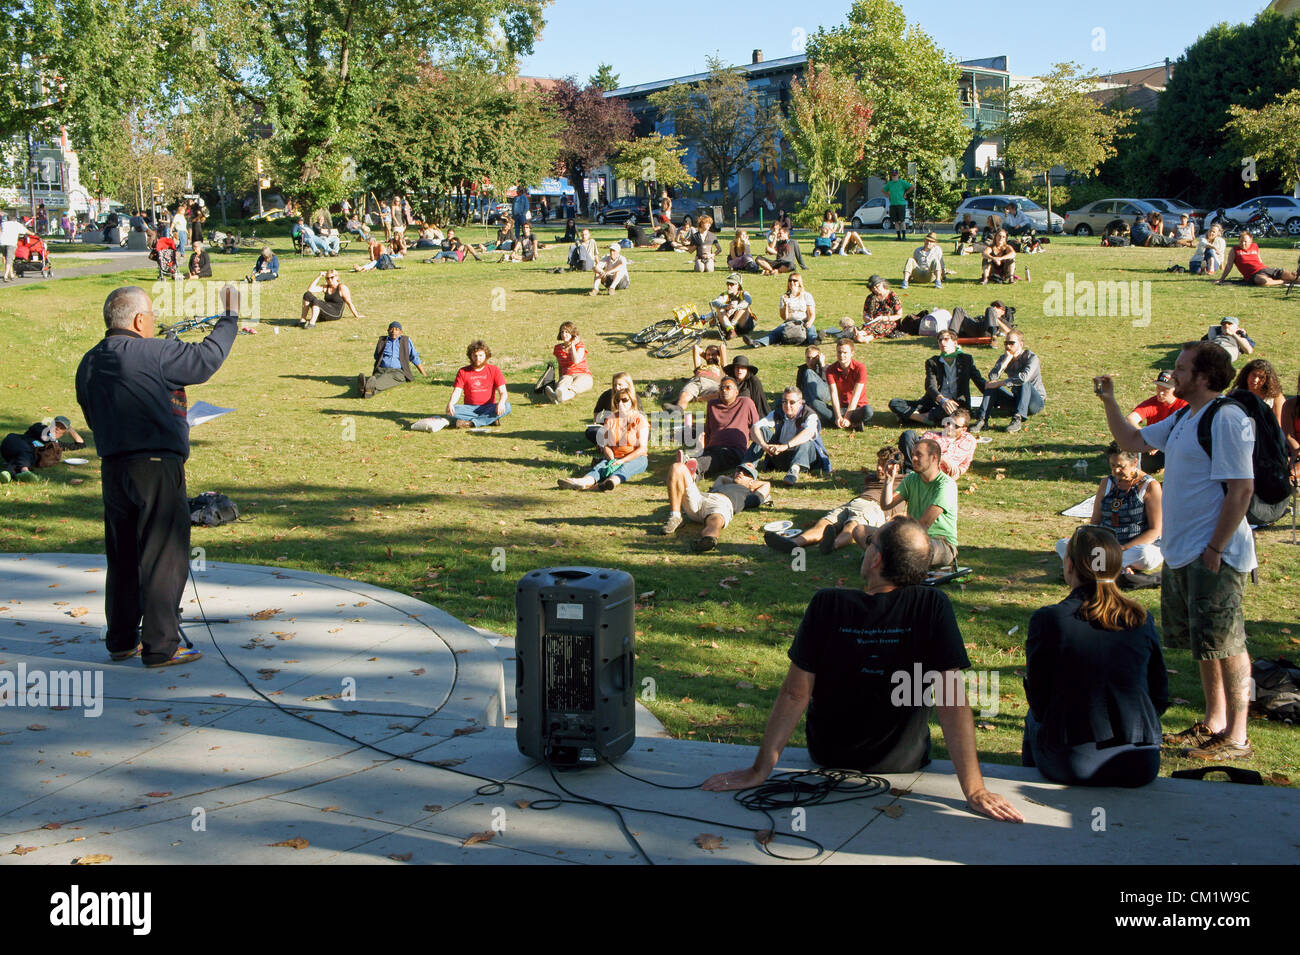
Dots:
(119, 655)
(182, 655)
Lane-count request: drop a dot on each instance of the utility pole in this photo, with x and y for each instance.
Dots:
(31, 175)
(259, 186)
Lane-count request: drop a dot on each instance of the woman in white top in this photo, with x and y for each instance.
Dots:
(1210, 251)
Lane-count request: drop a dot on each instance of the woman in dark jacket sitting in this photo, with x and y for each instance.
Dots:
(1095, 676)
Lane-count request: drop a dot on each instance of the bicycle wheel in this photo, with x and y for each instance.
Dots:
(654, 332)
(678, 346)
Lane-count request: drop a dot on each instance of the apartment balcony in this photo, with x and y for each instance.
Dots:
(982, 117)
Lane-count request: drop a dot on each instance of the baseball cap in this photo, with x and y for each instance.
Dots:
(734, 279)
(1165, 379)
(63, 421)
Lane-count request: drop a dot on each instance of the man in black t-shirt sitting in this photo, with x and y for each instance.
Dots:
(851, 663)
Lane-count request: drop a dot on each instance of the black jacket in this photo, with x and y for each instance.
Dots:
(132, 389)
(966, 373)
(1087, 685)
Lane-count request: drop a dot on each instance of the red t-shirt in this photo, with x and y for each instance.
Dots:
(1152, 411)
(1248, 262)
(567, 365)
(479, 386)
(729, 427)
(844, 380)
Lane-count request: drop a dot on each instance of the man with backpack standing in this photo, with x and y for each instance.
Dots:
(1208, 547)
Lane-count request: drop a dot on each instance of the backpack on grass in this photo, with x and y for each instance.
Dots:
(1277, 689)
(211, 509)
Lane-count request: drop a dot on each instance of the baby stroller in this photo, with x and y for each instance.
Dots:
(31, 255)
(164, 253)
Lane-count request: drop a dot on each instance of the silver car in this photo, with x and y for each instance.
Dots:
(981, 207)
(1093, 218)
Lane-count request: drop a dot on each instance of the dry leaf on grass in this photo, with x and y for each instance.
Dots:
(264, 614)
(95, 859)
(1277, 779)
(893, 812)
(297, 842)
(477, 837)
(707, 840)
(764, 616)
(400, 856)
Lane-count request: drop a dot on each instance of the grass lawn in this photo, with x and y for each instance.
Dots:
(338, 485)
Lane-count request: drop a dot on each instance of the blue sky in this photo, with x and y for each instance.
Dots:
(655, 40)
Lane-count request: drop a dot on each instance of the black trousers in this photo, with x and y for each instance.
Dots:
(147, 541)
(17, 453)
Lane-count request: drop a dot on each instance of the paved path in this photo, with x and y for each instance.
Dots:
(65, 267)
(192, 764)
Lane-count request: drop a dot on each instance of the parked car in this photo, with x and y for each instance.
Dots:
(684, 206)
(1172, 209)
(497, 211)
(874, 213)
(981, 207)
(1093, 218)
(623, 208)
(1285, 211)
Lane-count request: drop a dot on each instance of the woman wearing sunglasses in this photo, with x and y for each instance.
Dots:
(1095, 677)
(623, 437)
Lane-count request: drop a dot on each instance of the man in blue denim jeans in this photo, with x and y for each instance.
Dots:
(1015, 384)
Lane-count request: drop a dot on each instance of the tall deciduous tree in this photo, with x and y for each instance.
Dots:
(443, 130)
(1059, 124)
(722, 119)
(592, 125)
(316, 70)
(827, 131)
(1271, 134)
(909, 83)
(652, 158)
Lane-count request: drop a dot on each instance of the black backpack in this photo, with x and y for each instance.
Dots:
(211, 509)
(1269, 459)
(1277, 689)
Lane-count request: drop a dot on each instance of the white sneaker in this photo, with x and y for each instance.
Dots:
(792, 475)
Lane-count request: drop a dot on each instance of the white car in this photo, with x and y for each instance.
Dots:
(1285, 211)
(981, 207)
(875, 213)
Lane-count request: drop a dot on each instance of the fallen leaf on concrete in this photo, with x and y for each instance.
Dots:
(81, 752)
(330, 809)
(95, 859)
(895, 791)
(78, 612)
(336, 630)
(264, 614)
(522, 803)
(21, 850)
(400, 856)
(297, 842)
(477, 837)
(892, 811)
(319, 696)
(400, 726)
(763, 836)
(466, 730)
(37, 727)
(361, 603)
(707, 840)
(432, 808)
(266, 673)
(419, 672)
(158, 795)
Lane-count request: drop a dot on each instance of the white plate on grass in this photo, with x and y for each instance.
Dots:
(76, 460)
(778, 527)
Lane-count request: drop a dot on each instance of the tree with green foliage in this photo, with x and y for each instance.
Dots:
(653, 158)
(910, 86)
(604, 78)
(827, 132)
(1271, 134)
(1056, 123)
(443, 130)
(1186, 149)
(315, 71)
(722, 118)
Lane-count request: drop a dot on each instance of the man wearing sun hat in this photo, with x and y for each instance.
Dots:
(19, 450)
(733, 308)
(926, 263)
(611, 271)
(1156, 409)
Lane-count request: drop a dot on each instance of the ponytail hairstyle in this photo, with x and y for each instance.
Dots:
(1098, 561)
